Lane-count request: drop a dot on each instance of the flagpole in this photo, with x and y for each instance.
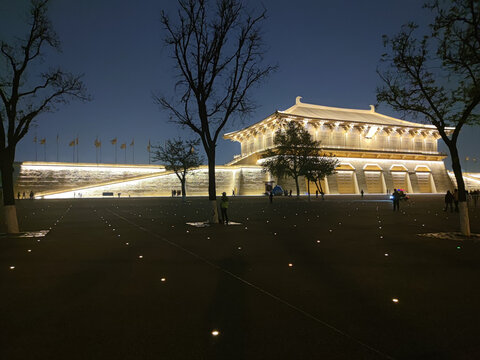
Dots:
(45, 151)
(35, 141)
(57, 148)
(148, 151)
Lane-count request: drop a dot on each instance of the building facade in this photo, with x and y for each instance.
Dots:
(376, 154)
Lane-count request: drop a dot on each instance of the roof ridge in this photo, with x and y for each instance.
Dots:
(371, 111)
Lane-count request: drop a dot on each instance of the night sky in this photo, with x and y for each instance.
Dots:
(327, 52)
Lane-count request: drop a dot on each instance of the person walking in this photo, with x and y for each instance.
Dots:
(224, 208)
(396, 200)
(448, 201)
(455, 199)
(361, 192)
(271, 196)
(316, 194)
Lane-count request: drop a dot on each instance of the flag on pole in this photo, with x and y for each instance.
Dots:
(43, 141)
(71, 143)
(148, 146)
(132, 143)
(76, 141)
(97, 143)
(113, 141)
(35, 139)
(123, 146)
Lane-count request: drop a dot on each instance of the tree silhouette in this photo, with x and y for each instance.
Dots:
(437, 77)
(218, 52)
(296, 154)
(178, 156)
(24, 96)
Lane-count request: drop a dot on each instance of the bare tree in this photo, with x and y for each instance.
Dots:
(23, 99)
(437, 77)
(178, 156)
(218, 52)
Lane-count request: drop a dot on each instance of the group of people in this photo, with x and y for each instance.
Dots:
(176, 193)
(31, 195)
(451, 199)
(396, 197)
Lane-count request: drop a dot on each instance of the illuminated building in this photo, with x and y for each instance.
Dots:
(376, 154)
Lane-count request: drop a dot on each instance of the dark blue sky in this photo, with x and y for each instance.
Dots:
(327, 52)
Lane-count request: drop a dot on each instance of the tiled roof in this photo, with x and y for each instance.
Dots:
(340, 114)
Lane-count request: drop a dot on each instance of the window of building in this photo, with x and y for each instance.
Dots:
(394, 142)
(418, 144)
(268, 140)
(339, 137)
(251, 146)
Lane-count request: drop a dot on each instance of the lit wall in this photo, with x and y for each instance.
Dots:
(43, 176)
(244, 180)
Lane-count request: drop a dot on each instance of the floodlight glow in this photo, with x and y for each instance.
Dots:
(371, 131)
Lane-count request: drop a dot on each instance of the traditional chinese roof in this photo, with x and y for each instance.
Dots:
(326, 114)
(311, 111)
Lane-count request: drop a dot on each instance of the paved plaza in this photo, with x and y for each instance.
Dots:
(344, 278)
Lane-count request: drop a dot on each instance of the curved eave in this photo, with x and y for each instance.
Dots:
(233, 136)
(404, 124)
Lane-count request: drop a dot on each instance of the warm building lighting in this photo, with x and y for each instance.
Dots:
(379, 153)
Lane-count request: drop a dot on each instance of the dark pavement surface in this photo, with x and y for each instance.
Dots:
(92, 288)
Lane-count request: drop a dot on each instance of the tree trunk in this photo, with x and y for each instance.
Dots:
(308, 189)
(298, 187)
(212, 191)
(6, 167)
(316, 184)
(462, 197)
(184, 189)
